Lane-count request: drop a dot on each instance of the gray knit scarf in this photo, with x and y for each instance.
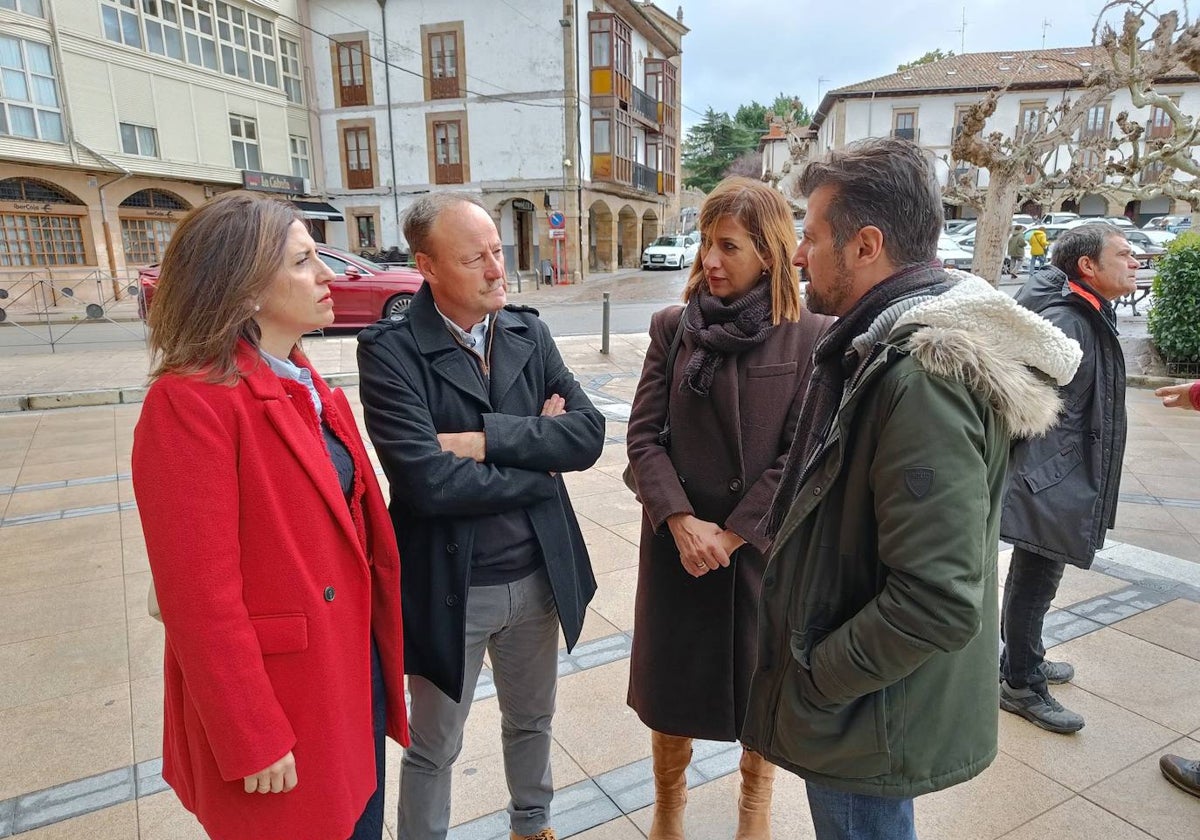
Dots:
(835, 360)
(720, 330)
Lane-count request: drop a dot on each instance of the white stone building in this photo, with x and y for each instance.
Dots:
(926, 104)
(539, 108)
(117, 116)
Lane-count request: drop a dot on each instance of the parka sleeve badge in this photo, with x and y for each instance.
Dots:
(919, 481)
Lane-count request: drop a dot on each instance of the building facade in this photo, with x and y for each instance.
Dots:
(117, 116)
(926, 104)
(562, 118)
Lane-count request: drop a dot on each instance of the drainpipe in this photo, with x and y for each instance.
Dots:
(105, 226)
(387, 87)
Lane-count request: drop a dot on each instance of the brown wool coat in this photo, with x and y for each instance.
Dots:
(694, 638)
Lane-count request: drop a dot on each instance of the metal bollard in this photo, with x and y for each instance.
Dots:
(604, 323)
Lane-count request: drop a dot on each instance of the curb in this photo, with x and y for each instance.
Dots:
(128, 396)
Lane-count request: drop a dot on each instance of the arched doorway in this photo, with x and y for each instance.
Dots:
(1070, 205)
(1032, 208)
(601, 239)
(43, 225)
(649, 229)
(628, 255)
(1093, 205)
(148, 221)
(1151, 207)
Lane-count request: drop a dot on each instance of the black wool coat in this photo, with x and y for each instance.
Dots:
(694, 641)
(416, 381)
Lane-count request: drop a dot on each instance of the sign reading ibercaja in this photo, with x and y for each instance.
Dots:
(270, 182)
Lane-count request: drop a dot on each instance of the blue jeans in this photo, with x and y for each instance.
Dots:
(837, 815)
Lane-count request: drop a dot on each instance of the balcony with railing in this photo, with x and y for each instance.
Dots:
(912, 134)
(645, 178)
(645, 107)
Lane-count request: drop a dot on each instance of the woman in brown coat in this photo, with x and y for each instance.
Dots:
(734, 397)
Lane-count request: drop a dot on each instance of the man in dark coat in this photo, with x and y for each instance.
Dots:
(1062, 488)
(474, 417)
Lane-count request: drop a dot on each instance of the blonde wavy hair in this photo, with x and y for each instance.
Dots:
(765, 215)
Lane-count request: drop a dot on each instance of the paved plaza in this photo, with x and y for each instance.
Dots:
(81, 662)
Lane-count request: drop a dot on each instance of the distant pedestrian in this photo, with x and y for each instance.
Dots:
(878, 629)
(1038, 246)
(744, 358)
(274, 563)
(1016, 250)
(1062, 489)
(1181, 396)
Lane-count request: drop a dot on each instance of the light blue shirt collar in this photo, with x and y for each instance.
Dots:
(287, 369)
(475, 340)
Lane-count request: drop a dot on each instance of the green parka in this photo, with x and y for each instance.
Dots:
(879, 627)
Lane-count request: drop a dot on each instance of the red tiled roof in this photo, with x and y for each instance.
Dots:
(1047, 67)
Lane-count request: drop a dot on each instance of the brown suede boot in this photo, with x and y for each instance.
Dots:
(672, 754)
(754, 805)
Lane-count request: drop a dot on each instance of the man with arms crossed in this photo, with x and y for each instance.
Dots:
(474, 417)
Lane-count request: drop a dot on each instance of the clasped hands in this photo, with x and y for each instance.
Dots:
(473, 445)
(703, 546)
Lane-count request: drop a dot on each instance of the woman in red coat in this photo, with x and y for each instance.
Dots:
(733, 398)
(272, 551)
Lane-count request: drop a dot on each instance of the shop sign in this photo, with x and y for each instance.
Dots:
(270, 182)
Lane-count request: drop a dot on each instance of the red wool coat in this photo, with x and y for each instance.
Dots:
(270, 588)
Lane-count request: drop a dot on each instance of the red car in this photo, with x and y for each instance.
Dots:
(363, 291)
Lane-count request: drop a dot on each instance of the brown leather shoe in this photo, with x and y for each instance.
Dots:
(1182, 773)
(672, 754)
(544, 834)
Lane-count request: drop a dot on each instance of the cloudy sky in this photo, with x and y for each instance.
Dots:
(739, 50)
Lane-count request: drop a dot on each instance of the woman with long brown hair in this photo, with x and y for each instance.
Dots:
(273, 557)
(731, 399)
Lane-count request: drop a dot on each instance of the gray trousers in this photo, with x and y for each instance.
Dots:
(517, 624)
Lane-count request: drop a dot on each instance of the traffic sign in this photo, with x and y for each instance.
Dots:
(557, 220)
(558, 233)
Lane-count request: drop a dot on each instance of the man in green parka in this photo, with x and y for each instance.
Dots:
(878, 631)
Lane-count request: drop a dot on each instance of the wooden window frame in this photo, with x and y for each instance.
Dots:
(353, 214)
(448, 87)
(1025, 107)
(897, 113)
(464, 146)
(351, 41)
(343, 154)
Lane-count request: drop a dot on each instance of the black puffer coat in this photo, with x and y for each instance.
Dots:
(1062, 488)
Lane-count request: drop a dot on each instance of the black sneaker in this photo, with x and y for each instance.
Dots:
(1182, 773)
(1039, 709)
(1057, 673)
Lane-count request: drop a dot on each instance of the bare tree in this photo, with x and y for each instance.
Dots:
(1018, 166)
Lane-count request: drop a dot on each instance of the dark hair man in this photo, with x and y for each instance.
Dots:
(878, 632)
(474, 417)
(1062, 492)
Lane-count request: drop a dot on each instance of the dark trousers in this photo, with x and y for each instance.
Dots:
(1030, 587)
(370, 824)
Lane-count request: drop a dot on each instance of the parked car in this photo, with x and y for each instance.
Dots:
(363, 291)
(1183, 225)
(1023, 219)
(951, 255)
(1058, 218)
(670, 252)
(953, 226)
(1162, 222)
(1162, 238)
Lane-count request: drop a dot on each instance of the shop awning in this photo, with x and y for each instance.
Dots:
(319, 210)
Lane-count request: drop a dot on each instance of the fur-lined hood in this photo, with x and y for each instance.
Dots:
(978, 335)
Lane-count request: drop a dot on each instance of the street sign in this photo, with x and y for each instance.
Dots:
(558, 233)
(557, 221)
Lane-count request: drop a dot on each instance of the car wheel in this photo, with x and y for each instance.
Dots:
(397, 305)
